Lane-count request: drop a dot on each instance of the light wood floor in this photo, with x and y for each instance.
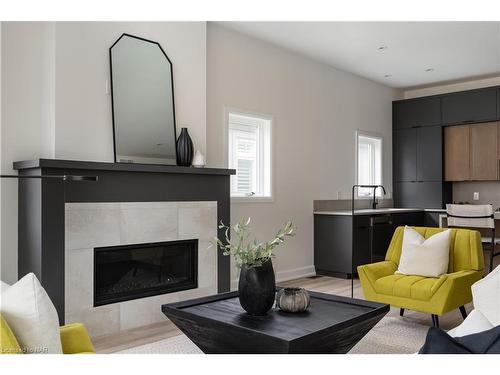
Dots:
(155, 332)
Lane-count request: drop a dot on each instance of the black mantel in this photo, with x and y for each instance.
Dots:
(42, 213)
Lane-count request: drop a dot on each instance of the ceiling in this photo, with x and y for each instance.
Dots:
(453, 51)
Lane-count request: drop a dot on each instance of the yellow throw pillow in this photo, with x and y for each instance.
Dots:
(8, 342)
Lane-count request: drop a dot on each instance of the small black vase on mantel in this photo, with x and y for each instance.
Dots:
(185, 149)
(257, 288)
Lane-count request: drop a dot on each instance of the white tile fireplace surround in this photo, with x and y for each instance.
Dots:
(90, 225)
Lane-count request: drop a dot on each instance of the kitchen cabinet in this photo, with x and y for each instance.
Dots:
(425, 194)
(431, 219)
(417, 112)
(405, 155)
(343, 242)
(429, 153)
(417, 154)
(498, 104)
(471, 152)
(335, 246)
(469, 107)
(483, 152)
(456, 151)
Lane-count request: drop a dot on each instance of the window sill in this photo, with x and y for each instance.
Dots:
(252, 199)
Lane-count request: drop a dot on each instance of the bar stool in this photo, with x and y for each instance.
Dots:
(480, 216)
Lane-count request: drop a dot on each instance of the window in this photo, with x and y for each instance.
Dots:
(369, 160)
(250, 154)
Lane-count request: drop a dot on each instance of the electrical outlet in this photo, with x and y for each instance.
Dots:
(476, 195)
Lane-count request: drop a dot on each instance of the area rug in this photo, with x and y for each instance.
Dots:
(392, 335)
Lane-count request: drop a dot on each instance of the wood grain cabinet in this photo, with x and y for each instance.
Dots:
(471, 152)
(483, 152)
(456, 153)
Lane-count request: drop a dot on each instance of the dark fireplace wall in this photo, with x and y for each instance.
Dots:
(41, 207)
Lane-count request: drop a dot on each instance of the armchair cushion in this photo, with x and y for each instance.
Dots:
(75, 339)
(417, 287)
(8, 342)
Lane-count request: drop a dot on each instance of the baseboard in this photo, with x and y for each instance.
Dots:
(295, 273)
(285, 275)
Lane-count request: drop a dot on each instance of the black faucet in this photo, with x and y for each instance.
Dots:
(374, 187)
(375, 202)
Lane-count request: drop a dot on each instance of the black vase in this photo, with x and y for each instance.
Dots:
(257, 287)
(185, 149)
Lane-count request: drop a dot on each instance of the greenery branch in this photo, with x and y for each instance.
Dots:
(250, 253)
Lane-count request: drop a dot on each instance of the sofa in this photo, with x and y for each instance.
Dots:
(486, 300)
(435, 296)
(74, 339)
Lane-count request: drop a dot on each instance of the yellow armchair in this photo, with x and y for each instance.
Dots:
(74, 339)
(435, 296)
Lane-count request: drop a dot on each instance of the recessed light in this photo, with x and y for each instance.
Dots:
(388, 76)
(382, 48)
(429, 69)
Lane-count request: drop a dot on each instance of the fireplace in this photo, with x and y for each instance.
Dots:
(123, 273)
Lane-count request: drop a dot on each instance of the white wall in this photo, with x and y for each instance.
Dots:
(316, 110)
(27, 117)
(83, 110)
(55, 103)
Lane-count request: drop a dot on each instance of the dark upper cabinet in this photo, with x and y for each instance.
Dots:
(417, 154)
(470, 106)
(498, 104)
(417, 112)
(427, 194)
(405, 155)
(430, 154)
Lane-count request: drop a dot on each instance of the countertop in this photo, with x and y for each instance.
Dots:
(378, 211)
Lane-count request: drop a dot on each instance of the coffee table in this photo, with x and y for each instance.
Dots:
(218, 324)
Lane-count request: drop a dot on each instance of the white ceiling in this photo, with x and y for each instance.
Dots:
(455, 50)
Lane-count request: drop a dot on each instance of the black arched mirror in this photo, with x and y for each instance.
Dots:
(142, 93)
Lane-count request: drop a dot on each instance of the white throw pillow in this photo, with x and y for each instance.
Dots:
(424, 257)
(3, 286)
(486, 296)
(474, 323)
(32, 317)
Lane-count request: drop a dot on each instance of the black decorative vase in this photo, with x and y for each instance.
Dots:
(257, 288)
(185, 149)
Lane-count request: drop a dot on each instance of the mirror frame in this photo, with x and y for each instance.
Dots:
(112, 99)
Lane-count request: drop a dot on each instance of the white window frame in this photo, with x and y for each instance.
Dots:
(235, 111)
(379, 136)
